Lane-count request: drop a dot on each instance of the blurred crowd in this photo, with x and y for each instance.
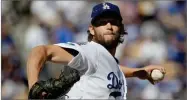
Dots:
(156, 35)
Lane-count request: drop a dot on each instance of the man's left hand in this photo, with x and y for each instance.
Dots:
(145, 72)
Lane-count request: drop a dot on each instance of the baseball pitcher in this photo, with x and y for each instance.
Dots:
(93, 71)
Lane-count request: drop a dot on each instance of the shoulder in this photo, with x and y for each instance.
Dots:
(82, 43)
(67, 44)
(80, 46)
(73, 43)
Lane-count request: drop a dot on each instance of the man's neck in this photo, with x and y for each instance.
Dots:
(112, 51)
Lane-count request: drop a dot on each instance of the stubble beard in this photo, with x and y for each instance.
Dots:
(108, 44)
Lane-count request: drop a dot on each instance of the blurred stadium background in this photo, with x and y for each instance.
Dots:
(157, 35)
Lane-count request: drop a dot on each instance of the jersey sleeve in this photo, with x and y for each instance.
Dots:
(78, 62)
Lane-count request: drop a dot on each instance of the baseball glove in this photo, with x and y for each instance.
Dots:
(54, 88)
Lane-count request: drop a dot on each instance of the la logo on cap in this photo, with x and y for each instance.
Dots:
(105, 6)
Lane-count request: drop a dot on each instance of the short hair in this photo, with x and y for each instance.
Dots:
(90, 36)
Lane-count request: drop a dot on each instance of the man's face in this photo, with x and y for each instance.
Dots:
(107, 31)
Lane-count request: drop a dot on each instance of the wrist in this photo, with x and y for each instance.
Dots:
(135, 72)
(139, 73)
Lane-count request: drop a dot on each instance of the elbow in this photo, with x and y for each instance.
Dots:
(37, 57)
(38, 51)
(40, 47)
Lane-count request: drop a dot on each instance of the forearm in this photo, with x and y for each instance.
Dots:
(39, 55)
(35, 62)
(129, 72)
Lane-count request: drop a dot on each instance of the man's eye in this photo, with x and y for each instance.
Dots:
(104, 22)
(115, 23)
(100, 23)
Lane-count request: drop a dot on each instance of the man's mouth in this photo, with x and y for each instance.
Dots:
(110, 33)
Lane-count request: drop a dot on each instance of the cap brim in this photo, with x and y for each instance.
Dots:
(107, 11)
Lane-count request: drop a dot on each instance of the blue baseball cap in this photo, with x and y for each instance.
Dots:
(105, 7)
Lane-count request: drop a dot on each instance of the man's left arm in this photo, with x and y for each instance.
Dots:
(142, 73)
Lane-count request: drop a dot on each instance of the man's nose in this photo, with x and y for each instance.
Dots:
(109, 25)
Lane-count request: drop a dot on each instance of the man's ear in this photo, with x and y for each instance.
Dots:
(122, 33)
(91, 29)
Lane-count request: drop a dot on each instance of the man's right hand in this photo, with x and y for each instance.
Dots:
(53, 88)
(39, 55)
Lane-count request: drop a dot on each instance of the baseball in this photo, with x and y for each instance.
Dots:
(157, 75)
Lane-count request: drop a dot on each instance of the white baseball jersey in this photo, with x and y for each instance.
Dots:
(101, 77)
